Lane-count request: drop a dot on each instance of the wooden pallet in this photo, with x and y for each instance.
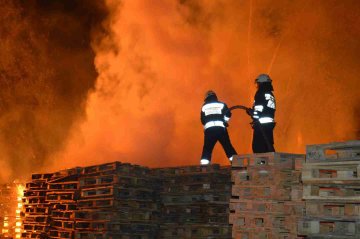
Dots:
(36, 185)
(256, 233)
(34, 235)
(123, 214)
(195, 231)
(61, 234)
(264, 221)
(62, 196)
(41, 176)
(113, 203)
(63, 215)
(63, 186)
(178, 199)
(39, 209)
(339, 151)
(191, 170)
(346, 172)
(209, 187)
(111, 235)
(37, 219)
(67, 172)
(109, 180)
(116, 168)
(65, 206)
(265, 175)
(279, 160)
(63, 224)
(117, 192)
(329, 228)
(204, 213)
(332, 192)
(35, 193)
(35, 226)
(273, 192)
(267, 206)
(335, 210)
(115, 226)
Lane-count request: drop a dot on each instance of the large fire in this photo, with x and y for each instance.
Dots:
(11, 207)
(154, 60)
(163, 55)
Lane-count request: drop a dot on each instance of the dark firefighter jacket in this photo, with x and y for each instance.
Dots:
(214, 113)
(264, 107)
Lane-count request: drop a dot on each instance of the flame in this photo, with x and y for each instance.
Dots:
(20, 192)
(161, 56)
(153, 63)
(18, 224)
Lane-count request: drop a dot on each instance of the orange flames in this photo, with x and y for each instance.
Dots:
(165, 54)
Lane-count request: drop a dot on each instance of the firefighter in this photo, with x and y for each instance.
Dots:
(214, 117)
(263, 112)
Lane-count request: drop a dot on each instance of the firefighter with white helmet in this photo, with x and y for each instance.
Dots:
(214, 117)
(263, 113)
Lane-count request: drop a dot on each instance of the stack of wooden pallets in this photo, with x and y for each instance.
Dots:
(62, 195)
(331, 178)
(36, 223)
(194, 202)
(117, 201)
(49, 203)
(113, 200)
(266, 196)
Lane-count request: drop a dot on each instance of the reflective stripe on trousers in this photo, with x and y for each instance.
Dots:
(264, 120)
(214, 123)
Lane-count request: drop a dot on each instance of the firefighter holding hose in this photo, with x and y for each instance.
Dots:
(263, 113)
(214, 117)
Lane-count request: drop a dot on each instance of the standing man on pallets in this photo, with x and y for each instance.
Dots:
(214, 117)
(263, 113)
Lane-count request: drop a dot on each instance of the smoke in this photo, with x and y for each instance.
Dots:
(161, 56)
(46, 72)
(154, 60)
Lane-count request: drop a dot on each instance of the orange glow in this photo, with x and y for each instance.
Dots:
(166, 54)
(154, 64)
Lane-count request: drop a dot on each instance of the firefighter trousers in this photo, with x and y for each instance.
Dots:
(263, 138)
(211, 136)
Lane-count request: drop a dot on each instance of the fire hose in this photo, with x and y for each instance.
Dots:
(254, 124)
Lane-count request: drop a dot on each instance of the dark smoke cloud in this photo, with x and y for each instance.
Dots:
(46, 72)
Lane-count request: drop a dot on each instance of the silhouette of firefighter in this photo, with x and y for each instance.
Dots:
(214, 117)
(263, 113)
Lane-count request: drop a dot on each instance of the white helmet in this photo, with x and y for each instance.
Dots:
(262, 78)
